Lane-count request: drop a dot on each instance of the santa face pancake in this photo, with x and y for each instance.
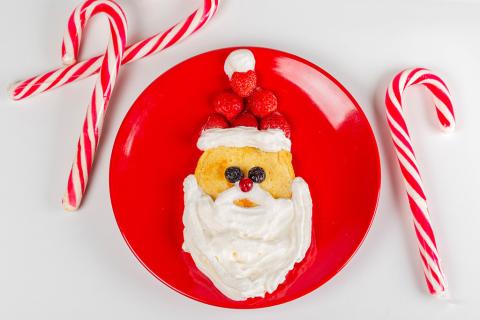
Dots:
(247, 217)
(241, 149)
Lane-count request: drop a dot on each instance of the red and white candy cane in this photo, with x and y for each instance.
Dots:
(408, 164)
(83, 69)
(92, 126)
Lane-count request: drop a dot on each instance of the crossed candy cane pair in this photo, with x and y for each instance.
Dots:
(107, 66)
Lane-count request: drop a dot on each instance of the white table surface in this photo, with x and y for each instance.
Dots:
(57, 265)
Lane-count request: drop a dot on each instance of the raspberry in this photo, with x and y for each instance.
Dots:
(215, 120)
(262, 102)
(245, 119)
(246, 184)
(243, 83)
(228, 104)
(276, 121)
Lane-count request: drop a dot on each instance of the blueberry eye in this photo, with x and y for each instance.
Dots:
(257, 174)
(233, 174)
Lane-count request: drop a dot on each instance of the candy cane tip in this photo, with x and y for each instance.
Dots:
(449, 128)
(67, 206)
(68, 59)
(11, 91)
(442, 295)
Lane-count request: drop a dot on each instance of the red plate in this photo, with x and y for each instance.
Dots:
(333, 149)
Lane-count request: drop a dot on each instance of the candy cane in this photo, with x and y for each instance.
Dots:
(81, 70)
(408, 164)
(92, 126)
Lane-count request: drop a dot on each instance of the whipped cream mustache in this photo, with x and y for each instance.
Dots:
(246, 252)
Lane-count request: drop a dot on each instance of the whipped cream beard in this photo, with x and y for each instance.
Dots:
(246, 252)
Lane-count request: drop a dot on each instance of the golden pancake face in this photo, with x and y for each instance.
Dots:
(210, 171)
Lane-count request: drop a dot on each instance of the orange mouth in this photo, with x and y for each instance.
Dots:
(245, 203)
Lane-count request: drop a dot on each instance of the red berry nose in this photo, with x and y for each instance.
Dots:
(246, 184)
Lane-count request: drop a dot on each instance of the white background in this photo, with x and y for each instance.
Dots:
(57, 265)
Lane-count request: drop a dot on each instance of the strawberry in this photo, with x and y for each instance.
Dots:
(228, 104)
(215, 120)
(262, 102)
(243, 83)
(275, 121)
(245, 119)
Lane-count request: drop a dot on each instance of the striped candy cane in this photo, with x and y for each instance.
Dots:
(92, 126)
(80, 70)
(408, 164)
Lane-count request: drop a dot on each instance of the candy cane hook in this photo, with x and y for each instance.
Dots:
(427, 244)
(92, 126)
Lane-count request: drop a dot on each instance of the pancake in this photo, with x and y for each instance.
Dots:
(210, 171)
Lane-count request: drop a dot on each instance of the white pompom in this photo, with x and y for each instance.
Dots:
(241, 60)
